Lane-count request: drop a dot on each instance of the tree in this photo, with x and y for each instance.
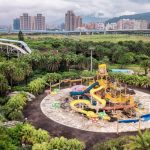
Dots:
(145, 64)
(20, 36)
(3, 84)
(127, 58)
(140, 142)
(105, 60)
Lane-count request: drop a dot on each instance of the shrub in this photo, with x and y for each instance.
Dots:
(52, 77)
(14, 107)
(6, 142)
(134, 80)
(36, 86)
(86, 73)
(31, 136)
(15, 134)
(42, 146)
(62, 144)
(3, 84)
(3, 100)
(140, 142)
(115, 144)
(20, 88)
(70, 75)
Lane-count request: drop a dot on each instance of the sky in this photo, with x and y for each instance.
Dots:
(54, 10)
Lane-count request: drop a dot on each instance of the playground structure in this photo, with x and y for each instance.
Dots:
(97, 104)
(103, 98)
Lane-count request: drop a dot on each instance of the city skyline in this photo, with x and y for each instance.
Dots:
(54, 11)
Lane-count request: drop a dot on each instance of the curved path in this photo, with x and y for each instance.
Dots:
(35, 116)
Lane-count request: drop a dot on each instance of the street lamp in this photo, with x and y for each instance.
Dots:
(91, 49)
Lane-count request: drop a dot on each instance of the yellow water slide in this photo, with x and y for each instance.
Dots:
(89, 114)
(97, 97)
(120, 99)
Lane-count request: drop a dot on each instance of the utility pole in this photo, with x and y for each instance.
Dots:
(91, 48)
(91, 60)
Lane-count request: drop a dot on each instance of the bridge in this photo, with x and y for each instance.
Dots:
(80, 32)
(14, 47)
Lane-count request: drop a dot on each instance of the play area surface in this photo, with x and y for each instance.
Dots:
(105, 105)
(51, 108)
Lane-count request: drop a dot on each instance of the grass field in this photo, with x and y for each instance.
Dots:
(94, 38)
(111, 38)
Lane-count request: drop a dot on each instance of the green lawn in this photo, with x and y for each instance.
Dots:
(111, 38)
(95, 38)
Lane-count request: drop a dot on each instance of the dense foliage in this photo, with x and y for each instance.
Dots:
(13, 108)
(25, 136)
(139, 142)
(59, 55)
(134, 80)
(53, 60)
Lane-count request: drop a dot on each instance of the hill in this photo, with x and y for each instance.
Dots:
(143, 16)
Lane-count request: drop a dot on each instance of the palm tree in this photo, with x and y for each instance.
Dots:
(140, 142)
(145, 64)
(81, 61)
(69, 59)
(53, 61)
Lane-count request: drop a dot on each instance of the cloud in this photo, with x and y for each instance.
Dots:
(55, 9)
(141, 1)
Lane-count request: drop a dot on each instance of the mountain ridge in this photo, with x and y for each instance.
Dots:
(141, 16)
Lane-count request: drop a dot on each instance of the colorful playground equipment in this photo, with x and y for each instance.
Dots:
(107, 95)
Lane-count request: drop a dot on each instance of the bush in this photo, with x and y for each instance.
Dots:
(70, 75)
(63, 144)
(134, 80)
(3, 84)
(3, 100)
(31, 136)
(86, 73)
(6, 143)
(52, 77)
(20, 88)
(14, 107)
(115, 144)
(140, 142)
(15, 134)
(36, 86)
(42, 146)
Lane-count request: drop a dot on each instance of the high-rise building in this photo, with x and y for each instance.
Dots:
(16, 24)
(72, 21)
(25, 22)
(39, 22)
(32, 22)
(78, 22)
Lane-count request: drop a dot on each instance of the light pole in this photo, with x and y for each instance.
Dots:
(91, 48)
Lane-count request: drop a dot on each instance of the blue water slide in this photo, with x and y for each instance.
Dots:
(129, 121)
(85, 91)
(145, 117)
